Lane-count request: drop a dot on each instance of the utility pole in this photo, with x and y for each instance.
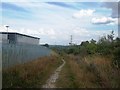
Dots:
(7, 33)
(7, 43)
(7, 28)
(71, 38)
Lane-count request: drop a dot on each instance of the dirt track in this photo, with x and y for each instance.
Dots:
(51, 81)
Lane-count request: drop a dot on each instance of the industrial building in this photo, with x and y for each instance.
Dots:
(17, 38)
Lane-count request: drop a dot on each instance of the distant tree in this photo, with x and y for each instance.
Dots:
(84, 43)
(116, 52)
(91, 48)
(110, 36)
(102, 40)
(117, 42)
(93, 41)
(46, 45)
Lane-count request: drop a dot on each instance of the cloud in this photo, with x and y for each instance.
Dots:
(62, 4)
(53, 23)
(50, 32)
(80, 31)
(83, 32)
(10, 6)
(13, 11)
(104, 20)
(114, 6)
(83, 13)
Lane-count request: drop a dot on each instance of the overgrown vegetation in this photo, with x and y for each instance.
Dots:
(106, 46)
(89, 72)
(31, 74)
(92, 64)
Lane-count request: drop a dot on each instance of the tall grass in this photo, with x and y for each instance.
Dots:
(109, 75)
(89, 72)
(31, 74)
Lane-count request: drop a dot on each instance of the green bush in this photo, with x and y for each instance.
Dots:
(116, 59)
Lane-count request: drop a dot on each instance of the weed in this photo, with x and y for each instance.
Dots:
(30, 74)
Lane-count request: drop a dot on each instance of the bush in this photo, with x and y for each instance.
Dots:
(116, 53)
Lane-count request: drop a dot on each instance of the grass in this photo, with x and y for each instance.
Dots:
(66, 78)
(89, 72)
(93, 71)
(31, 74)
(109, 75)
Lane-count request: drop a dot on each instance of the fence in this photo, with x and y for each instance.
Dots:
(14, 54)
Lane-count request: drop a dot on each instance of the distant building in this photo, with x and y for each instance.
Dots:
(17, 38)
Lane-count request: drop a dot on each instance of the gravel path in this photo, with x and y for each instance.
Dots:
(51, 81)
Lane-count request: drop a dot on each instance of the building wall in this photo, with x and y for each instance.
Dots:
(18, 39)
(13, 54)
(3, 38)
(0, 38)
(27, 40)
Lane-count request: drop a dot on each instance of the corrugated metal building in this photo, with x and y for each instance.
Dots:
(17, 38)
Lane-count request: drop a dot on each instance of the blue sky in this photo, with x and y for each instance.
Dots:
(54, 22)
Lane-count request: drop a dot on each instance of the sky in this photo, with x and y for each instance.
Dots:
(55, 21)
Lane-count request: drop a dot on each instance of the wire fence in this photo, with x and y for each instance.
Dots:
(16, 54)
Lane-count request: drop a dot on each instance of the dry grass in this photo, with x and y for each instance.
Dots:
(75, 75)
(90, 72)
(109, 75)
(31, 74)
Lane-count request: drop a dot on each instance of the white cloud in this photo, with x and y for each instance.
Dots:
(46, 32)
(83, 13)
(83, 32)
(80, 32)
(43, 31)
(104, 20)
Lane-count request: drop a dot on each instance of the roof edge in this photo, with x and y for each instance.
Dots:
(19, 34)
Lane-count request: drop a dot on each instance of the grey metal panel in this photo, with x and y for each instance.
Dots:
(27, 40)
(13, 54)
(3, 38)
